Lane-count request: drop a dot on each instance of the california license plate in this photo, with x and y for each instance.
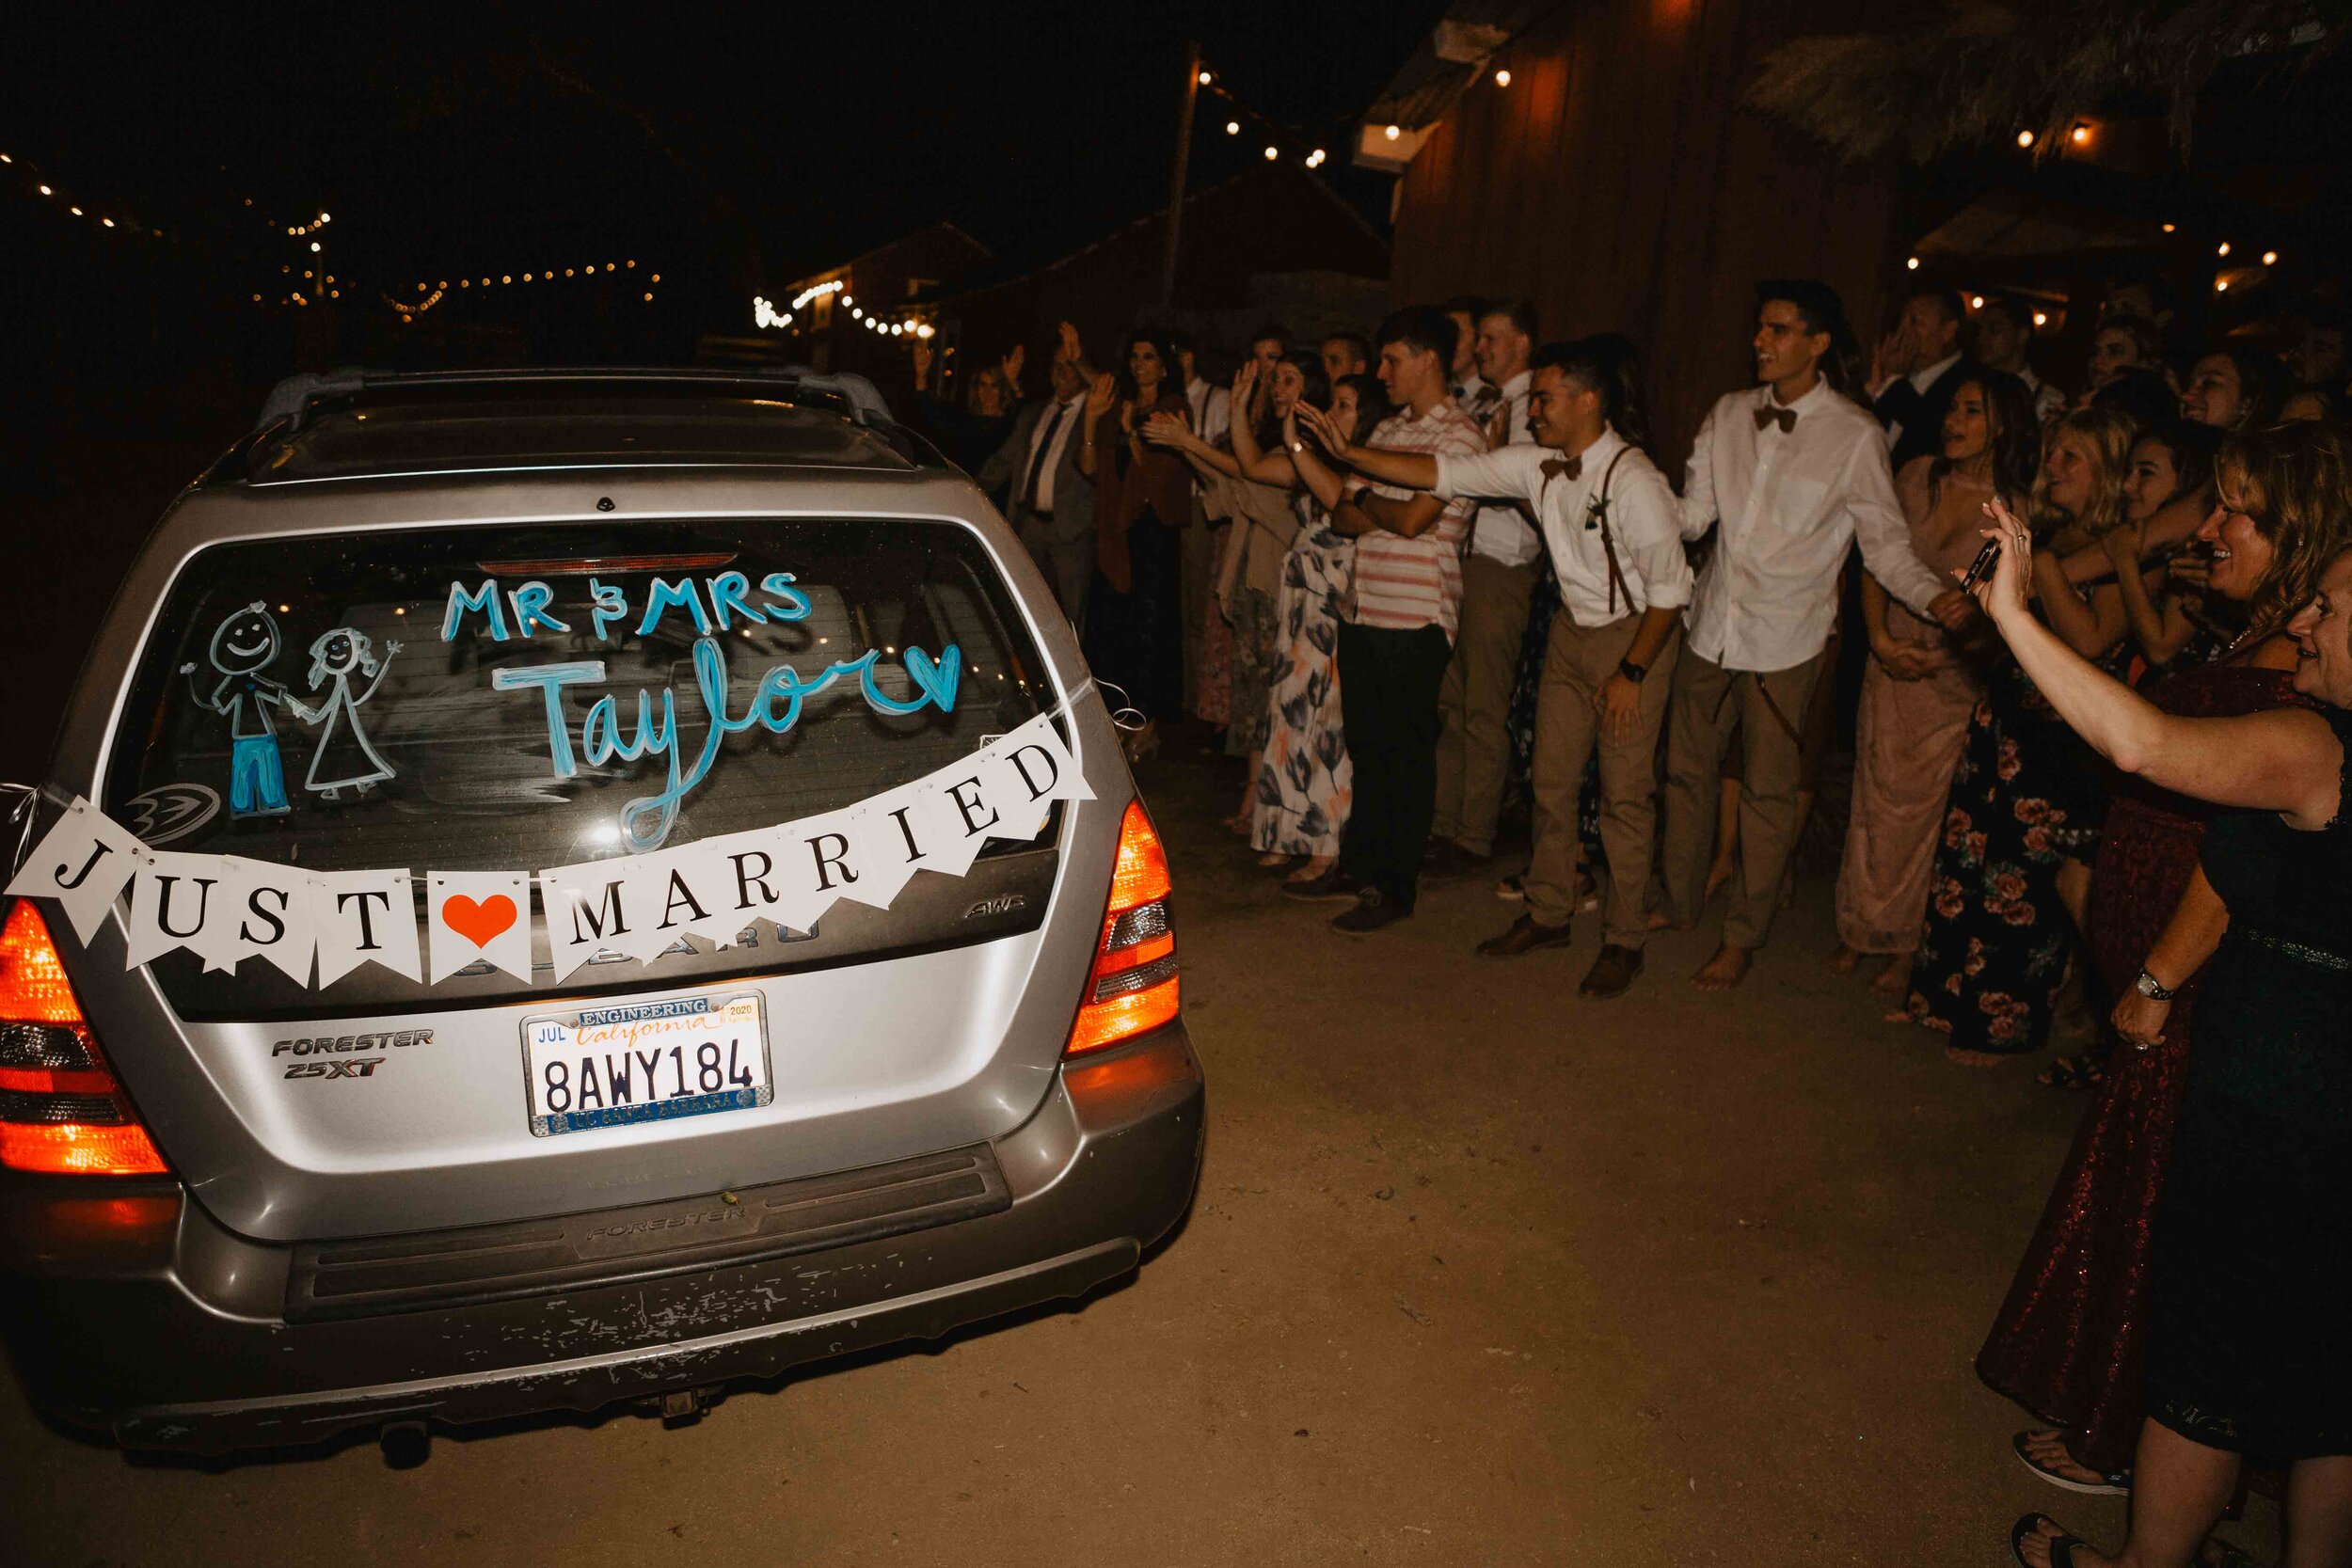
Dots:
(644, 1061)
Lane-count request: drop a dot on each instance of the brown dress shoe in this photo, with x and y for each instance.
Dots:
(1611, 973)
(1525, 935)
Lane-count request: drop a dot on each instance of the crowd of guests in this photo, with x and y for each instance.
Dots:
(1405, 570)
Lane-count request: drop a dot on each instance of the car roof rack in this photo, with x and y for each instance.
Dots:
(289, 402)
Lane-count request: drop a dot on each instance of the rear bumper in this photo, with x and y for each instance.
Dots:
(132, 1311)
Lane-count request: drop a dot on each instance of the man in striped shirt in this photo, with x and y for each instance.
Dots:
(1397, 635)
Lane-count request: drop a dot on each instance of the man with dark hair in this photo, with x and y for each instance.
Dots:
(1346, 354)
(1462, 359)
(1917, 368)
(1049, 501)
(1614, 531)
(1498, 576)
(2005, 332)
(1395, 638)
(1789, 475)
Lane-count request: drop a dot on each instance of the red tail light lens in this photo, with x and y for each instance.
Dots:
(61, 1111)
(1132, 985)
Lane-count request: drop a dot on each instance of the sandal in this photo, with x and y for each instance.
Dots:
(2084, 1072)
(2062, 1545)
(2111, 1483)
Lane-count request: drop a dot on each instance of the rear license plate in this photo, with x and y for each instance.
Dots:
(644, 1061)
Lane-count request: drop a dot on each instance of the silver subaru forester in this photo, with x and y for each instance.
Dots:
(242, 1208)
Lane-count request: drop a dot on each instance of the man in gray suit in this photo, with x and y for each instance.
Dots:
(1051, 504)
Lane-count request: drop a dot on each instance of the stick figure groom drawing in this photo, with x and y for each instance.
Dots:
(242, 646)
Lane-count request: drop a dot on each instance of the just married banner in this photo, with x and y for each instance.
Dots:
(318, 926)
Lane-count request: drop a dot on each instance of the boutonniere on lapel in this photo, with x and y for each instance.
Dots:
(1596, 511)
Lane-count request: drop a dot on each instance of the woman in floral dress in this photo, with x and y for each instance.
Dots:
(2025, 798)
(1304, 783)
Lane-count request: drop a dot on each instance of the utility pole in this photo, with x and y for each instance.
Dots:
(1176, 183)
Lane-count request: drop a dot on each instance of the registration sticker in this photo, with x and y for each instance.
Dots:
(644, 1061)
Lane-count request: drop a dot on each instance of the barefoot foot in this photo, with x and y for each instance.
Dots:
(1727, 969)
(1718, 878)
(1845, 960)
(1893, 981)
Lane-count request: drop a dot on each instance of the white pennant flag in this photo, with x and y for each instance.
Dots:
(477, 914)
(81, 862)
(180, 901)
(364, 917)
(269, 916)
(588, 910)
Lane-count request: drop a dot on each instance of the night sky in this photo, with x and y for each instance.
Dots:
(773, 139)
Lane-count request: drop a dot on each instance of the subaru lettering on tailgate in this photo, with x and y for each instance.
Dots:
(653, 1061)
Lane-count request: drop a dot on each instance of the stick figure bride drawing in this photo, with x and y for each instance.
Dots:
(344, 760)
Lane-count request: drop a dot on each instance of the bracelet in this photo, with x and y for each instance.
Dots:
(2154, 988)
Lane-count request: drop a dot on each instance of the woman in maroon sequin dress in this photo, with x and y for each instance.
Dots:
(2067, 1344)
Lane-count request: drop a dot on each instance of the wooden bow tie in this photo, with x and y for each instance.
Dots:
(1784, 417)
(1569, 468)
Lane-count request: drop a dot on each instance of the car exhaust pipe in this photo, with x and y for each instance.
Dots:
(405, 1444)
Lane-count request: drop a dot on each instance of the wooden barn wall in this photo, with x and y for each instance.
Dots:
(1616, 184)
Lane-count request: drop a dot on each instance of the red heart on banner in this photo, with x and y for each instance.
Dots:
(478, 922)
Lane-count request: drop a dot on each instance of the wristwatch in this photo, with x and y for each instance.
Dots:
(1355, 497)
(2154, 988)
(1632, 670)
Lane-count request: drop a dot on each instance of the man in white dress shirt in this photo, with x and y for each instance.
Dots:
(1498, 584)
(1614, 533)
(1790, 474)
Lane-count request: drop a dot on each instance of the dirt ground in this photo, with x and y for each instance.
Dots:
(1478, 1274)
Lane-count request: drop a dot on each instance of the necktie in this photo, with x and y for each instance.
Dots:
(1569, 468)
(1784, 417)
(1036, 460)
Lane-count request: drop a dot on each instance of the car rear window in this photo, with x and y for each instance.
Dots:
(528, 697)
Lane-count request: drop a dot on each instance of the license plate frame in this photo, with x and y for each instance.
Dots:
(671, 1026)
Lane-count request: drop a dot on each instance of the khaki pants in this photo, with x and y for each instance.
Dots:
(1708, 701)
(1475, 703)
(1576, 660)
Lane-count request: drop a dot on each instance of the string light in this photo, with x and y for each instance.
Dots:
(1206, 78)
(2270, 258)
(1912, 265)
(2024, 138)
(1502, 78)
(2169, 227)
(764, 314)
(2041, 318)
(813, 291)
(1272, 152)
(1232, 127)
(1393, 132)
(2224, 251)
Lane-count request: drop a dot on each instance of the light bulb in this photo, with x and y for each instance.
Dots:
(1204, 78)
(2082, 135)
(1912, 264)
(2270, 258)
(2221, 285)
(2041, 318)
(1271, 154)
(2024, 138)
(1502, 78)
(2224, 251)
(315, 245)
(1232, 127)
(1976, 302)
(1393, 132)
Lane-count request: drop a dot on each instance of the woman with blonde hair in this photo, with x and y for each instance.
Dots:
(2025, 804)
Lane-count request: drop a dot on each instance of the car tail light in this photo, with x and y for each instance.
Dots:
(1132, 987)
(61, 1111)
